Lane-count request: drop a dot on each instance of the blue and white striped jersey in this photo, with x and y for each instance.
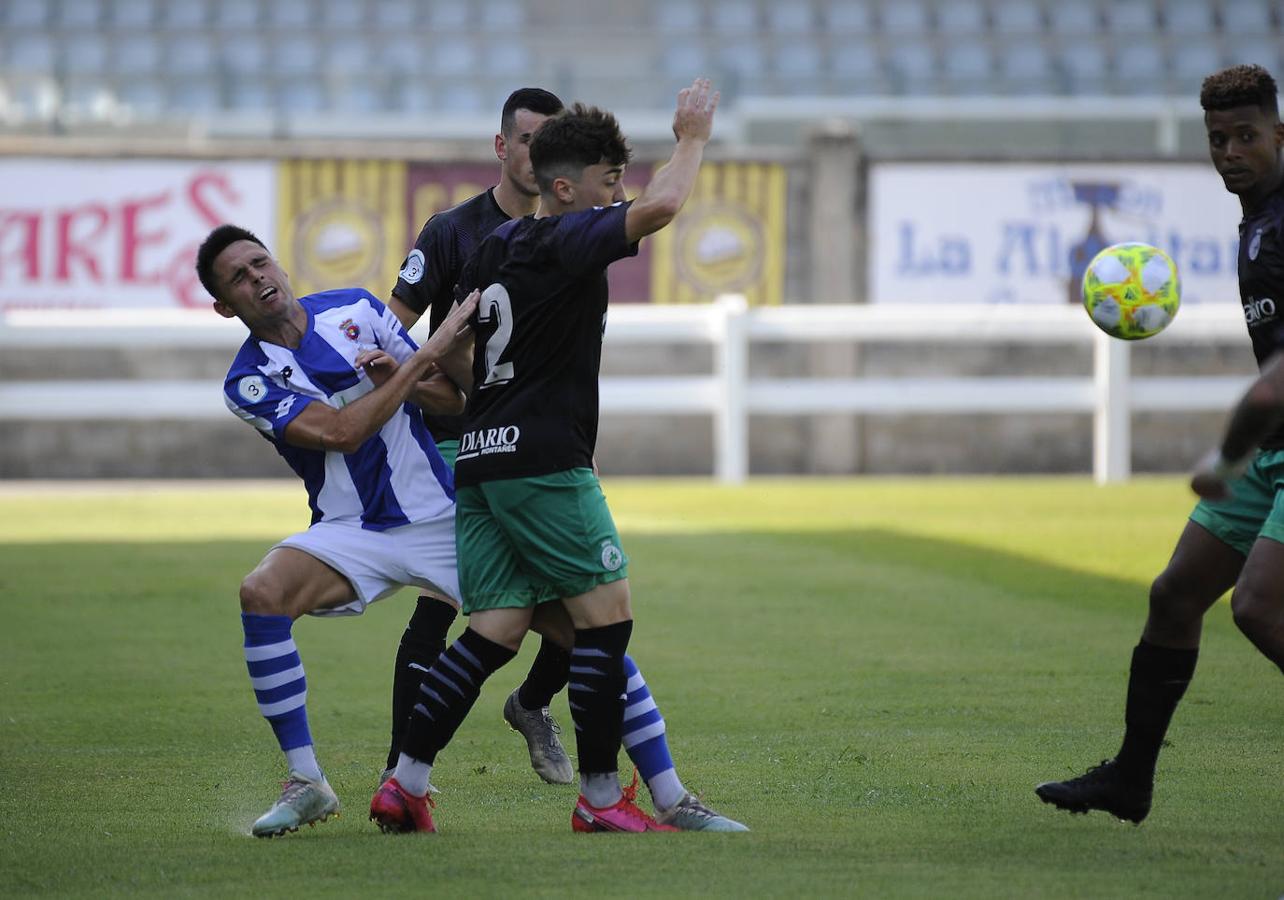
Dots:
(397, 476)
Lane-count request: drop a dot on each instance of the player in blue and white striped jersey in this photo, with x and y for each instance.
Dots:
(333, 381)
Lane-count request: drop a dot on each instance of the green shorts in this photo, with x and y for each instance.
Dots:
(524, 541)
(1255, 509)
(448, 450)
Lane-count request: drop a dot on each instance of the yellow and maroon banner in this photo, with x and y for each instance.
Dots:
(341, 223)
(728, 239)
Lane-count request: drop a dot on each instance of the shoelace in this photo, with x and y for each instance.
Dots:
(630, 795)
(291, 789)
(550, 721)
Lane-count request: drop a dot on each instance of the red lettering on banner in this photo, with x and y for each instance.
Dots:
(197, 190)
(28, 248)
(132, 238)
(71, 247)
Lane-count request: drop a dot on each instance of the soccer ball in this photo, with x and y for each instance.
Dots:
(1131, 291)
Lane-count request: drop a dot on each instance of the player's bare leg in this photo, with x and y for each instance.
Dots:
(1258, 602)
(287, 584)
(1201, 570)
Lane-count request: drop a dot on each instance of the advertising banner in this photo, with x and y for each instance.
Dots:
(90, 234)
(1024, 233)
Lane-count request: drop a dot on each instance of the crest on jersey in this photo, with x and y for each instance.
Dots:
(251, 388)
(612, 556)
(1255, 244)
(412, 270)
(351, 330)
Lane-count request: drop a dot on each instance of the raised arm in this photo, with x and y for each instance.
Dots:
(672, 184)
(323, 427)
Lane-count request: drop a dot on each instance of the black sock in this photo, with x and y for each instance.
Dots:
(422, 642)
(548, 675)
(449, 691)
(1157, 681)
(596, 694)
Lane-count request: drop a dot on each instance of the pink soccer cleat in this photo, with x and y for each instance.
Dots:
(396, 811)
(623, 816)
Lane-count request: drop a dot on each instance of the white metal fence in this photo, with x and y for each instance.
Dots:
(729, 395)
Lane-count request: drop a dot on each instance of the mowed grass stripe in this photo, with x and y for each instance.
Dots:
(873, 674)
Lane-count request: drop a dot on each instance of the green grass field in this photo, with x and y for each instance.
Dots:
(872, 674)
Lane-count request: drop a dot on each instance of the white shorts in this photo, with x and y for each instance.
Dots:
(378, 563)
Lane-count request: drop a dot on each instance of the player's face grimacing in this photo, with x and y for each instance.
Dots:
(514, 151)
(252, 285)
(1244, 144)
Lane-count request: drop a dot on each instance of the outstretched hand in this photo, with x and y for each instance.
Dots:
(453, 330)
(693, 119)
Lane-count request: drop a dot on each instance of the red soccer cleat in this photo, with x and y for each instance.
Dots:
(396, 811)
(623, 816)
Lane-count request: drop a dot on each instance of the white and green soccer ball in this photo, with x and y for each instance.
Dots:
(1131, 291)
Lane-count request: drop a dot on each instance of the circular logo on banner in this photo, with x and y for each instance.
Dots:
(720, 248)
(338, 241)
(612, 557)
(251, 388)
(413, 268)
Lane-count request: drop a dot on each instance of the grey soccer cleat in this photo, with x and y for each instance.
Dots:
(548, 756)
(691, 815)
(302, 802)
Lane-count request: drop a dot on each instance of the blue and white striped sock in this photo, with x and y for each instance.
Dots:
(645, 742)
(276, 674)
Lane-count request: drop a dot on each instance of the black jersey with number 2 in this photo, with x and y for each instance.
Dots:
(538, 343)
(1261, 285)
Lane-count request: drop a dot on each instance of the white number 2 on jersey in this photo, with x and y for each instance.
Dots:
(495, 306)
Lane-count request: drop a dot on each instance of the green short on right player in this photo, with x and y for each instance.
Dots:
(1235, 535)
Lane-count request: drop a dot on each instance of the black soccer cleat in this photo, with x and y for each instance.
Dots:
(1102, 787)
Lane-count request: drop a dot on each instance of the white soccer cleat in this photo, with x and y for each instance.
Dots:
(302, 802)
(689, 814)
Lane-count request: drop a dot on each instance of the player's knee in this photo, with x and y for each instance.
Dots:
(1174, 605)
(1253, 614)
(261, 596)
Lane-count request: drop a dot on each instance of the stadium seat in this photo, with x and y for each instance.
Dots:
(1025, 68)
(1192, 61)
(397, 15)
(340, 18)
(842, 17)
(961, 18)
(1246, 17)
(26, 14)
(453, 58)
(913, 66)
(1131, 18)
(797, 68)
(448, 16)
(294, 15)
(401, 54)
(236, 14)
(679, 59)
(144, 98)
(1189, 17)
(191, 54)
(1084, 66)
(790, 18)
(243, 55)
(677, 17)
(461, 96)
(84, 54)
(734, 17)
(249, 95)
(854, 67)
(357, 93)
(1264, 52)
(413, 96)
(80, 14)
(136, 14)
(513, 61)
(904, 17)
(502, 15)
(136, 54)
(300, 95)
(1017, 17)
(1139, 67)
(296, 57)
(190, 14)
(967, 67)
(1074, 20)
(193, 96)
(34, 54)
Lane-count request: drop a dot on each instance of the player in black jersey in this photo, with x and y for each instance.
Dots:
(426, 284)
(536, 531)
(1235, 536)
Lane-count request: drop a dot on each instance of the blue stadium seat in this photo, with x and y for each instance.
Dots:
(967, 67)
(795, 18)
(401, 54)
(855, 68)
(462, 96)
(1193, 60)
(191, 54)
(344, 55)
(82, 14)
(454, 58)
(1025, 67)
(961, 18)
(413, 96)
(797, 65)
(295, 15)
(1085, 66)
(144, 98)
(341, 17)
(1262, 51)
(297, 56)
(396, 15)
(1017, 17)
(136, 14)
(300, 95)
(250, 95)
(243, 55)
(236, 14)
(194, 96)
(732, 17)
(904, 17)
(913, 66)
(677, 16)
(138, 53)
(32, 54)
(681, 60)
(1246, 17)
(502, 15)
(190, 14)
(449, 16)
(357, 93)
(1189, 17)
(842, 17)
(84, 54)
(511, 61)
(1074, 19)
(26, 14)
(1131, 18)
(1139, 67)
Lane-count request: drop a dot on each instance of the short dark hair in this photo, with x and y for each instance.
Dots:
(569, 143)
(215, 243)
(1240, 86)
(537, 100)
